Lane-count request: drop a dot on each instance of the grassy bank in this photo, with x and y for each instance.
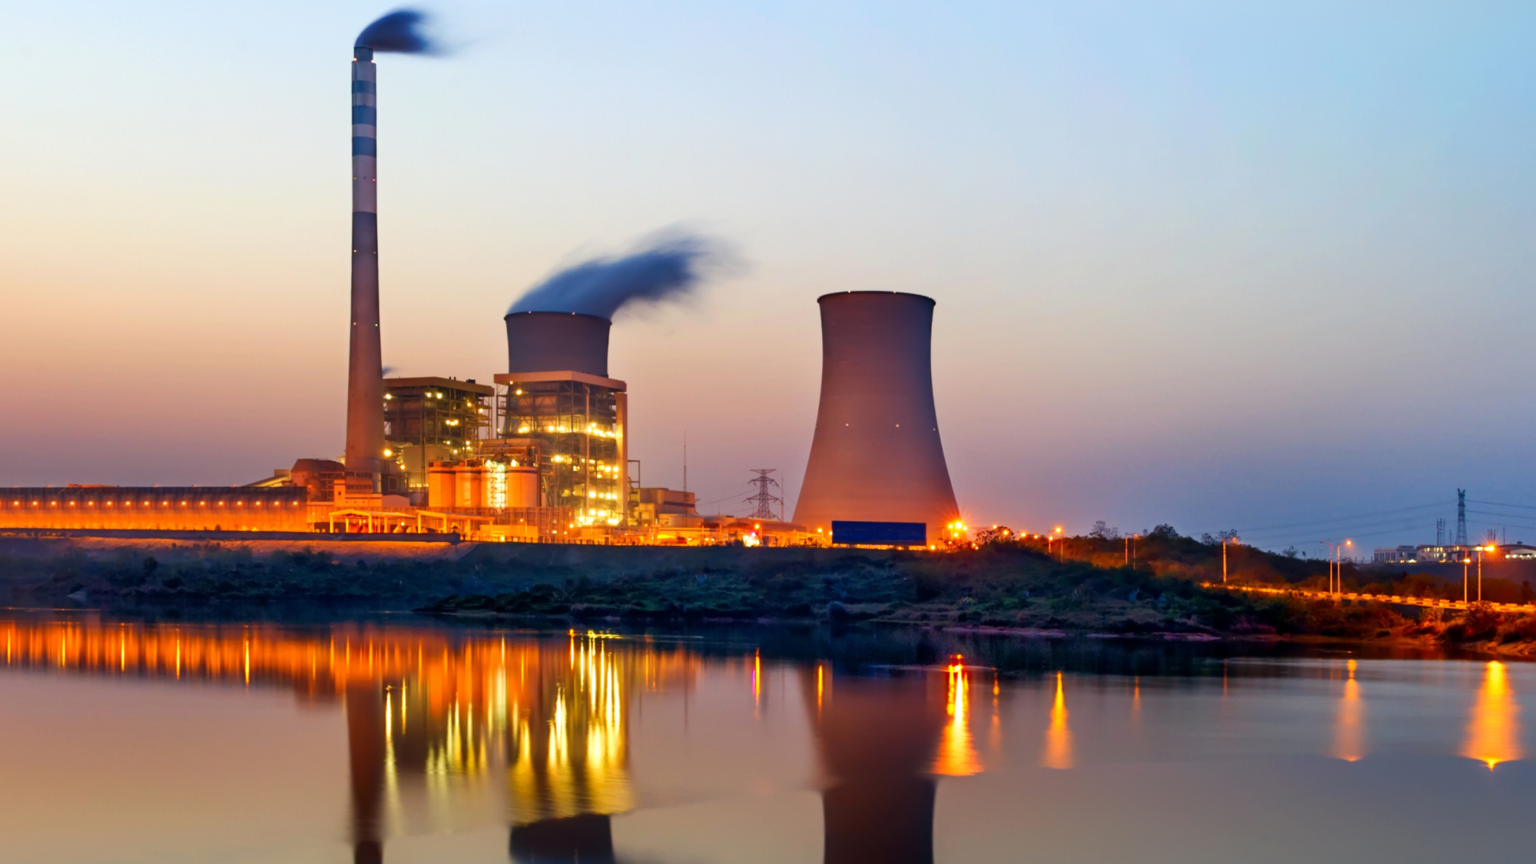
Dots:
(1080, 586)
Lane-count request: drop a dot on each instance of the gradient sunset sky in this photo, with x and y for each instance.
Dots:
(1212, 264)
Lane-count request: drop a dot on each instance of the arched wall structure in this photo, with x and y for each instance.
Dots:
(876, 454)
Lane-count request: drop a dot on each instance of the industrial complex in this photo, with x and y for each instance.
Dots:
(541, 453)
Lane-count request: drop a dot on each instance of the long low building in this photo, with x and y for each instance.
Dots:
(156, 508)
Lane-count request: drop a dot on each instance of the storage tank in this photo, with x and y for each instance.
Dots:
(557, 342)
(442, 485)
(876, 454)
(470, 486)
(523, 487)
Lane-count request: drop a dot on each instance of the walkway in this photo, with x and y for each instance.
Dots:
(1395, 599)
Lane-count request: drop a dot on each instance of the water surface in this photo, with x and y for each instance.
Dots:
(408, 741)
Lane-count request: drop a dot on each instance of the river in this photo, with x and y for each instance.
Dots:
(390, 738)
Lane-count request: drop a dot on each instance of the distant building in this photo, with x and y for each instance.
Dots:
(1395, 555)
(1449, 553)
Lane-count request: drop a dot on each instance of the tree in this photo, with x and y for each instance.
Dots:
(995, 535)
(1103, 532)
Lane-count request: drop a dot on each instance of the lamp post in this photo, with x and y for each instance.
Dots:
(1480, 551)
(1336, 565)
(1464, 562)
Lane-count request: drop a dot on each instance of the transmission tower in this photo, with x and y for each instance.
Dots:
(1440, 531)
(763, 498)
(1461, 517)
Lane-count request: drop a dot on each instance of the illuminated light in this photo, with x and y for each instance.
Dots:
(1349, 743)
(1493, 732)
(1058, 737)
(957, 755)
(388, 453)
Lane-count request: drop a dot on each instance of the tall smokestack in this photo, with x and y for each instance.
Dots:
(365, 365)
(395, 32)
(876, 454)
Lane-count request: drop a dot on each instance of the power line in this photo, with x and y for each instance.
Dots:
(1338, 519)
(1498, 504)
(1351, 529)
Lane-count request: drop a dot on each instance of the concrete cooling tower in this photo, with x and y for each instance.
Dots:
(876, 455)
(550, 341)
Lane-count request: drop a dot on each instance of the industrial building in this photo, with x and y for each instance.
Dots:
(1450, 553)
(430, 420)
(564, 415)
(157, 508)
(876, 456)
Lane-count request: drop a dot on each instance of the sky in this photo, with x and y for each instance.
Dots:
(1261, 266)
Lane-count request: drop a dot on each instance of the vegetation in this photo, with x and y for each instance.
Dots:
(1079, 584)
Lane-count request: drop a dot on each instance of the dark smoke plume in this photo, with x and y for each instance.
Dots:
(668, 269)
(397, 33)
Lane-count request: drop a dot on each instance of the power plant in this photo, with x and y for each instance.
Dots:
(544, 454)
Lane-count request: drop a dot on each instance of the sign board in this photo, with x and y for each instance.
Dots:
(880, 533)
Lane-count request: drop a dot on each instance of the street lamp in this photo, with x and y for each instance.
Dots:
(1480, 551)
(1335, 565)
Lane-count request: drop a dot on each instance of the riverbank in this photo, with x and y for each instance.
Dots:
(1006, 589)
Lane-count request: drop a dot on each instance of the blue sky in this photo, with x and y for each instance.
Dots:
(1218, 265)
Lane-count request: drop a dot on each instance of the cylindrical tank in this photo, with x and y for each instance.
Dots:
(557, 342)
(470, 487)
(523, 487)
(442, 486)
(876, 454)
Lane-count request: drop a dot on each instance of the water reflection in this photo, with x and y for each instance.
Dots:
(1349, 733)
(1493, 735)
(421, 709)
(1058, 737)
(570, 740)
(876, 740)
(957, 756)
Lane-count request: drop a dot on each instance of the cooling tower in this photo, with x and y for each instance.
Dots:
(876, 455)
(557, 342)
(365, 366)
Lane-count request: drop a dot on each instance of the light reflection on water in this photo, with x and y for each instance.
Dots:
(485, 745)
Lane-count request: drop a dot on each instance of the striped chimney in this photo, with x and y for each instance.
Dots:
(365, 365)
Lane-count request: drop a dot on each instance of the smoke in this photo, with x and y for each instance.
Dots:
(397, 33)
(664, 270)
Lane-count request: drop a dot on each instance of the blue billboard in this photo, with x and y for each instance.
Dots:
(879, 533)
